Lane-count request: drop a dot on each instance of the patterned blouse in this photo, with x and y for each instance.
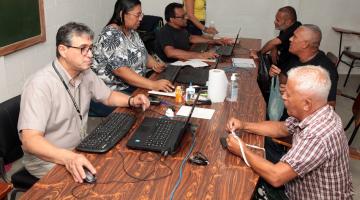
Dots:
(113, 50)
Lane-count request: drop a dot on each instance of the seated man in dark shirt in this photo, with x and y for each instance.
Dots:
(305, 45)
(173, 41)
(286, 22)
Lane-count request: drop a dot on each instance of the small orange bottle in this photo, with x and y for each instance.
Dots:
(178, 94)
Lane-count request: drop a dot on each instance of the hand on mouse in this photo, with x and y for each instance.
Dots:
(74, 163)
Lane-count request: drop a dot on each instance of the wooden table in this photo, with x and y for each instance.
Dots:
(5, 188)
(226, 177)
(344, 31)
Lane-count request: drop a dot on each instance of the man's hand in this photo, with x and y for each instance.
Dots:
(158, 67)
(163, 85)
(211, 30)
(75, 163)
(234, 124)
(274, 71)
(223, 41)
(253, 54)
(233, 145)
(208, 55)
(140, 100)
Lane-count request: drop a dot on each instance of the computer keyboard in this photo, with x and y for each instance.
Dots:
(161, 134)
(224, 50)
(200, 47)
(108, 133)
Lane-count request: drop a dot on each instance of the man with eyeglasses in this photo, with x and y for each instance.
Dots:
(55, 103)
(173, 41)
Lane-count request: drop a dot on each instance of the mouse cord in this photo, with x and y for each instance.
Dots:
(241, 148)
(182, 166)
(84, 192)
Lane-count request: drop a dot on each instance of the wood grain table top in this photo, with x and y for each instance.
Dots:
(120, 171)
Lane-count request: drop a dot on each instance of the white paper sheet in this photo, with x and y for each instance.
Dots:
(243, 62)
(202, 113)
(193, 63)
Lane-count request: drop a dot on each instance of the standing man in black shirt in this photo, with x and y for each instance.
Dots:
(286, 22)
(173, 41)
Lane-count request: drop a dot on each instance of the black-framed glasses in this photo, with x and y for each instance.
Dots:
(83, 50)
(137, 15)
(181, 17)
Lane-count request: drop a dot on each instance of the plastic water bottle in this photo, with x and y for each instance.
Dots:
(233, 88)
(189, 94)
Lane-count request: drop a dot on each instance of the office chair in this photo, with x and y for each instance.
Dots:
(10, 146)
(149, 25)
(354, 56)
(355, 117)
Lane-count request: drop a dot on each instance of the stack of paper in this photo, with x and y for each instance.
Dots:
(193, 63)
(243, 62)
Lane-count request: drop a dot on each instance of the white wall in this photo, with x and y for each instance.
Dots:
(254, 16)
(338, 13)
(16, 67)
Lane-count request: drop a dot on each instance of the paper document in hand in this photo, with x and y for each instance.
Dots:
(193, 63)
(243, 62)
(202, 113)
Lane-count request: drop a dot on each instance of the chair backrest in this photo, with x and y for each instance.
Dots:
(334, 59)
(10, 145)
(150, 23)
(147, 30)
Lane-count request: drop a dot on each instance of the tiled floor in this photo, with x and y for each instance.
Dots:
(343, 107)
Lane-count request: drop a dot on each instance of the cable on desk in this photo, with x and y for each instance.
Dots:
(84, 193)
(182, 166)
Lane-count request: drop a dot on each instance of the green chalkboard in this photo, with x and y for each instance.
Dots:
(22, 24)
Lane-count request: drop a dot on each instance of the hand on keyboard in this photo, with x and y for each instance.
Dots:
(224, 41)
(208, 55)
(163, 85)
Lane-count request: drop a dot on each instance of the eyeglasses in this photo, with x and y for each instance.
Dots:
(181, 17)
(137, 15)
(84, 50)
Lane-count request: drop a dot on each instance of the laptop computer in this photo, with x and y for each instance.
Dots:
(160, 134)
(185, 74)
(170, 73)
(227, 49)
(200, 47)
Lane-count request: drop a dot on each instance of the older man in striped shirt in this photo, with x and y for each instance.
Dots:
(317, 165)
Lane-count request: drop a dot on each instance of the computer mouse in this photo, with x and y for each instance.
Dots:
(89, 177)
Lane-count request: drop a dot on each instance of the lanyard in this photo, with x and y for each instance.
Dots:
(68, 91)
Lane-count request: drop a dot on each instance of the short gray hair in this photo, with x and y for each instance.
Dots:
(316, 35)
(311, 79)
(67, 31)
